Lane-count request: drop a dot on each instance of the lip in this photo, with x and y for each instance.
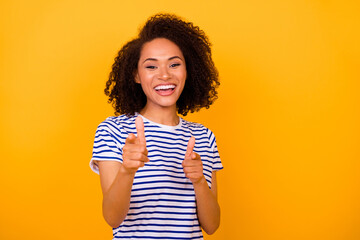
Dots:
(166, 92)
(165, 84)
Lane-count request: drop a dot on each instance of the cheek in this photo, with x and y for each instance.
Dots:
(183, 75)
(143, 78)
(184, 78)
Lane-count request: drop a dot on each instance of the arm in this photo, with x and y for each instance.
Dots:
(116, 186)
(117, 179)
(207, 207)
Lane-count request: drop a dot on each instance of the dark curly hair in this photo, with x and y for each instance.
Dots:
(127, 96)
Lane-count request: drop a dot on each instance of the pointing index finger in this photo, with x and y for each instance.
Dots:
(139, 123)
(190, 146)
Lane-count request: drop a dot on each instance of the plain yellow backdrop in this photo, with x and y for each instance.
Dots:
(287, 118)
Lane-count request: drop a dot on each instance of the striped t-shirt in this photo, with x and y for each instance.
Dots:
(162, 204)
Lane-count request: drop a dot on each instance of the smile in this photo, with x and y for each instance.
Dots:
(165, 90)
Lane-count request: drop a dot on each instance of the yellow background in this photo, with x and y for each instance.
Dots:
(287, 118)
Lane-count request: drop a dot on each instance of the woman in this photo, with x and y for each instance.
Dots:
(158, 171)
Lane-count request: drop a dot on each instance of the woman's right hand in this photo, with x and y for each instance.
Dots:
(134, 151)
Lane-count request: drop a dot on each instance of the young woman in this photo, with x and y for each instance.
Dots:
(158, 171)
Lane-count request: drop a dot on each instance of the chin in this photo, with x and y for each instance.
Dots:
(167, 102)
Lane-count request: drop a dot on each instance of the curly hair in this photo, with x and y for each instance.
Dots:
(202, 76)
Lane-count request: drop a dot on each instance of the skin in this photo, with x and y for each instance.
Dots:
(161, 62)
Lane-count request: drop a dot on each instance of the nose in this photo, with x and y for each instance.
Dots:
(164, 73)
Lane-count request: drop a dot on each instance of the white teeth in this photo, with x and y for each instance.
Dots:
(165, 87)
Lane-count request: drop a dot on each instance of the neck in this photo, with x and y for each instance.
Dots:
(165, 116)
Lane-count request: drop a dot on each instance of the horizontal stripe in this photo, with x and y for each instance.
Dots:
(162, 175)
(161, 181)
(162, 204)
(163, 219)
(158, 206)
(157, 212)
(159, 200)
(154, 237)
(159, 225)
(160, 231)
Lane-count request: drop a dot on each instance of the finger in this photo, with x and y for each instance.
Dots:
(139, 123)
(130, 139)
(140, 148)
(186, 163)
(136, 156)
(190, 146)
(190, 163)
(195, 156)
(193, 175)
(134, 164)
(196, 170)
(190, 169)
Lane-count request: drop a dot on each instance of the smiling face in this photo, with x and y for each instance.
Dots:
(161, 73)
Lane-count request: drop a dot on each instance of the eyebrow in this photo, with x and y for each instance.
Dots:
(154, 59)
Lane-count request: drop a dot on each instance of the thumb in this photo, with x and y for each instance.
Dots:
(190, 146)
(139, 123)
(130, 139)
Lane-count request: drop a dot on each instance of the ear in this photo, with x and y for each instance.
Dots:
(136, 77)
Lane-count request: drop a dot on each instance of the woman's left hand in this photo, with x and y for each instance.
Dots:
(192, 164)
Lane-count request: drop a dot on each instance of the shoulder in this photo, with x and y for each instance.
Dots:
(192, 125)
(201, 132)
(118, 123)
(197, 128)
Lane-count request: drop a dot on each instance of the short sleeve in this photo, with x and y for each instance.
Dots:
(107, 145)
(216, 162)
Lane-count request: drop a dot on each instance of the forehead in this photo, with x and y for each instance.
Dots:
(160, 48)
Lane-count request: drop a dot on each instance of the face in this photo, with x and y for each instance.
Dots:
(161, 73)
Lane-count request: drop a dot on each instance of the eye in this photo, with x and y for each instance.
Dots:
(151, 67)
(175, 65)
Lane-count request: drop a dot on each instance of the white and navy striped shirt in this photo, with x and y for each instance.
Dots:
(162, 204)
